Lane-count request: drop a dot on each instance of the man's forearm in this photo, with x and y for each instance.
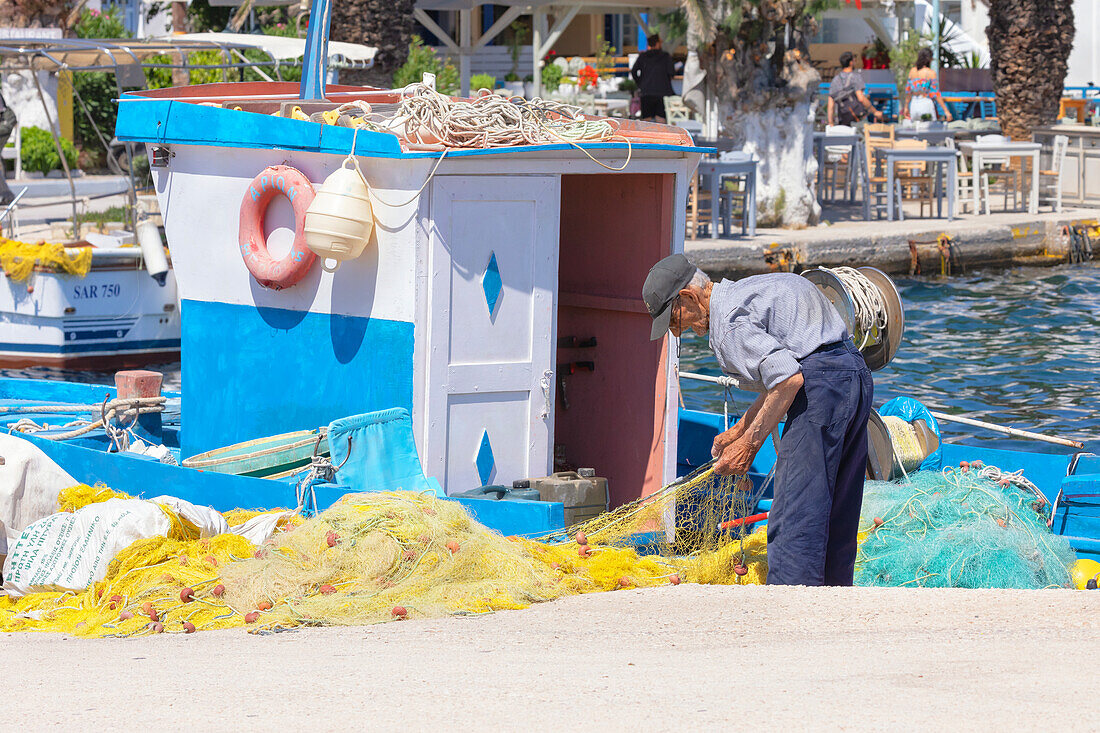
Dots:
(750, 415)
(774, 405)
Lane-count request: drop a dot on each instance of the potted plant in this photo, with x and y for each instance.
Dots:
(551, 78)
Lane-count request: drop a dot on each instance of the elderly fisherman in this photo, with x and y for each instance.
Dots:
(778, 335)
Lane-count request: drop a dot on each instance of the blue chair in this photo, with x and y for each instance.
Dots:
(376, 452)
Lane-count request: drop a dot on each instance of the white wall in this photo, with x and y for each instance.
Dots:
(1084, 60)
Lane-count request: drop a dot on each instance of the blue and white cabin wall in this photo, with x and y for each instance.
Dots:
(453, 310)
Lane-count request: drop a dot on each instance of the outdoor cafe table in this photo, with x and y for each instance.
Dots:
(932, 136)
(823, 140)
(982, 151)
(942, 158)
(736, 163)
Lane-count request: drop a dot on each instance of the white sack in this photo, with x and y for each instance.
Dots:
(209, 521)
(260, 528)
(29, 484)
(71, 551)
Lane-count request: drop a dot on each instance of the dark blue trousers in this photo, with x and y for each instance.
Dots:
(819, 473)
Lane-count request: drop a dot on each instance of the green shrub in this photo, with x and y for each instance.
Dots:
(423, 59)
(551, 77)
(105, 24)
(482, 81)
(38, 152)
(97, 91)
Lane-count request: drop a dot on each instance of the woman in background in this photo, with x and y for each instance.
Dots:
(922, 92)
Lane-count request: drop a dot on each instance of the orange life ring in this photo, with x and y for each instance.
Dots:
(273, 181)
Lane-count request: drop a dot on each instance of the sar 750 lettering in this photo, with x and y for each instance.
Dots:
(102, 290)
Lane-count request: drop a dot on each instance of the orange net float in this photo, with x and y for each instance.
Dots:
(276, 180)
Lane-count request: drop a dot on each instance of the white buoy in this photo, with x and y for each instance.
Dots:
(152, 251)
(340, 219)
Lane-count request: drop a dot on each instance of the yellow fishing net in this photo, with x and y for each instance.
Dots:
(18, 259)
(386, 556)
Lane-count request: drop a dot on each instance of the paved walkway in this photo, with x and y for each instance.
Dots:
(676, 658)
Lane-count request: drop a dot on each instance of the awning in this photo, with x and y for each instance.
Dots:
(282, 48)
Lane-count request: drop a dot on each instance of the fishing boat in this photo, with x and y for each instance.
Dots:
(486, 326)
(113, 315)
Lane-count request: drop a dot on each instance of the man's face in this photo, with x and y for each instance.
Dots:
(689, 313)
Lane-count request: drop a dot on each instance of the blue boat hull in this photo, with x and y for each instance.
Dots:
(1071, 483)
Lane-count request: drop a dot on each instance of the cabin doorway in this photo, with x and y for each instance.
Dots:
(612, 405)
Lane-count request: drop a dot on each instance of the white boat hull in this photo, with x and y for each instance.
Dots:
(115, 316)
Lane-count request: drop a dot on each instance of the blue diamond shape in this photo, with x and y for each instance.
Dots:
(492, 283)
(485, 460)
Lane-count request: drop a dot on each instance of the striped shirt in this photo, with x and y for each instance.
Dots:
(761, 326)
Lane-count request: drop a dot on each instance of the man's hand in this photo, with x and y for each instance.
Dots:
(736, 458)
(724, 439)
(878, 114)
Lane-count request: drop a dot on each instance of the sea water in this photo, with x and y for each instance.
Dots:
(1017, 347)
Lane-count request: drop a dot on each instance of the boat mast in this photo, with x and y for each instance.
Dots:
(315, 61)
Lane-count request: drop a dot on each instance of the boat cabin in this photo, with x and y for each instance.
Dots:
(498, 298)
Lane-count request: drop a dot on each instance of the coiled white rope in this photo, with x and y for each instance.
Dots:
(488, 120)
(870, 306)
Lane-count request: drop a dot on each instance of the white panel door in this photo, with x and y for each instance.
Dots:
(493, 272)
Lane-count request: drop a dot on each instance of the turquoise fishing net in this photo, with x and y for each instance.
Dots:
(957, 529)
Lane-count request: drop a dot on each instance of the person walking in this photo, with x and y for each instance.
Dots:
(7, 124)
(780, 336)
(652, 72)
(848, 103)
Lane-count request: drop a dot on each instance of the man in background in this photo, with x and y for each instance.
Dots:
(7, 124)
(653, 72)
(848, 103)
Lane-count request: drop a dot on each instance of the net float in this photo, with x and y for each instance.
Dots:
(399, 612)
(251, 617)
(264, 606)
(125, 616)
(218, 591)
(188, 627)
(452, 546)
(582, 539)
(332, 538)
(156, 627)
(327, 589)
(674, 579)
(187, 595)
(740, 569)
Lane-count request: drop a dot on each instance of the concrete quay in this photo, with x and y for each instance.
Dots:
(994, 240)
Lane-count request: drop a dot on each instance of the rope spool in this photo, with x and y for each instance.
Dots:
(869, 303)
(908, 453)
(897, 447)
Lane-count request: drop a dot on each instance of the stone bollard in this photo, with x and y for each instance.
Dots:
(142, 383)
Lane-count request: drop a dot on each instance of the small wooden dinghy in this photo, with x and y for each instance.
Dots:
(275, 456)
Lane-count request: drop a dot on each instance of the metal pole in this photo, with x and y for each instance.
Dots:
(1007, 431)
(56, 133)
(936, 36)
(465, 48)
(315, 61)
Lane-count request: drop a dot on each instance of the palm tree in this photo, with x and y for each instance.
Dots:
(35, 13)
(385, 24)
(751, 56)
(1029, 45)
